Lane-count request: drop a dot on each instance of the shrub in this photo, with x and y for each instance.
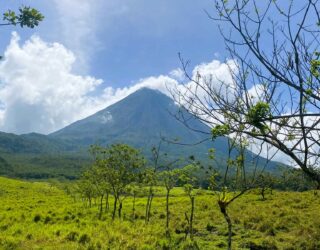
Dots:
(17, 232)
(190, 245)
(265, 245)
(4, 227)
(72, 236)
(47, 220)
(84, 239)
(10, 245)
(163, 244)
(37, 218)
(99, 245)
(210, 228)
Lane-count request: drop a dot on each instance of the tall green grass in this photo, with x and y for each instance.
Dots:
(42, 216)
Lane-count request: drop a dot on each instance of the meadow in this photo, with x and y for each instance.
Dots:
(40, 215)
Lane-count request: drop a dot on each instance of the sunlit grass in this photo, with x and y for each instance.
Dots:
(41, 216)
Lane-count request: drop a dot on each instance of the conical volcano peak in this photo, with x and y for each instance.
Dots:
(147, 94)
(148, 91)
(140, 119)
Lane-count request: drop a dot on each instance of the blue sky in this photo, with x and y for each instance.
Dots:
(129, 40)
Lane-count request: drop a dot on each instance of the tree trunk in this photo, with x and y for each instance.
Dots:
(101, 206)
(223, 209)
(148, 206)
(107, 202)
(90, 203)
(167, 209)
(149, 210)
(120, 208)
(315, 191)
(114, 207)
(263, 193)
(134, 206)
(191, 218)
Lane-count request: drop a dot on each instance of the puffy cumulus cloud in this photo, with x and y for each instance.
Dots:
(216, 72)
(257, 93)
(178, 74)
(216, 76)
(38, 90)
(112, 95)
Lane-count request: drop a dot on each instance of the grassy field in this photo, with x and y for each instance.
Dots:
(41, 216)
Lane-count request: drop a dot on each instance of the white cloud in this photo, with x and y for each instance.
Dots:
(178, 74)
(215, 76)
(256, 93)
(38, 91)
(79, 22)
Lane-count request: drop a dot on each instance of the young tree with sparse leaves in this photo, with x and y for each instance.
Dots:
(236, 181)
(272, 94)
(168, 178)
(189, 180)
(150, 179)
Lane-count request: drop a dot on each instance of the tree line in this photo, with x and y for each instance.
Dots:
(120, 171)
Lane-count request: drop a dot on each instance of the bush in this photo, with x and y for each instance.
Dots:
(265, 245)
(210, 228)
(84, 239)
(37, 218)
(163, 244)
(162, 216)
(190, 245)
(47, 220)
(72, 236)
(17, 232)
(10, 245)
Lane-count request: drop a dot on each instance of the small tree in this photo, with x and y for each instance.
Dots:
(235, 180)
(86, 188)
(189, 179)
(133, 190)
(120, 165)
(169, 179)
(265, 181)
(150, 179)
(271, 93)
(96, 177)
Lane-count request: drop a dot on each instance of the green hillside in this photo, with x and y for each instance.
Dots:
(30, 144)
(42, 216)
